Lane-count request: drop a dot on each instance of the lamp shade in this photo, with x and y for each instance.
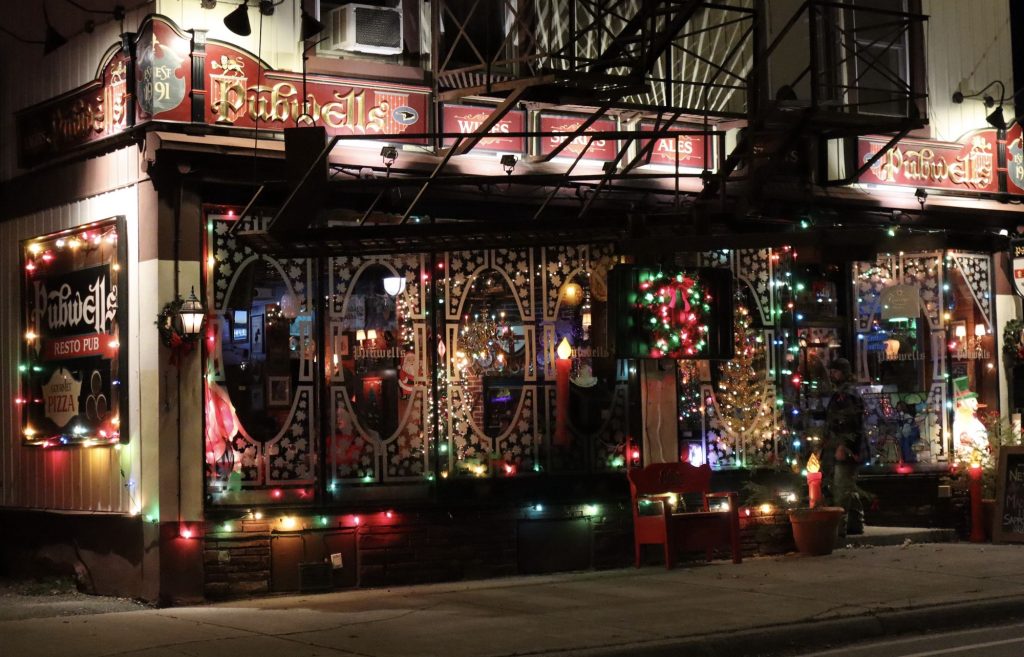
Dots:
(360, 335)
(238, 20)
(961, 331)
(979, 330)
(371, 334)
(310, 26)
(394, 285)
(996, 119)
(192, 315)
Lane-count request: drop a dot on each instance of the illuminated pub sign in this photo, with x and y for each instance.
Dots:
(467, 119)
(600, 148)
(967, 165)
(71, 357)
(671, 313)
(94, 111)
(686, 149)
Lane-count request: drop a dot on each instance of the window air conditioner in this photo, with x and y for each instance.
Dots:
(364, 28)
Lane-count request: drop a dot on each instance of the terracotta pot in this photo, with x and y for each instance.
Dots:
(815, 530)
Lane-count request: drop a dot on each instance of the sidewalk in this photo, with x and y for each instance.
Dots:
(707, 609)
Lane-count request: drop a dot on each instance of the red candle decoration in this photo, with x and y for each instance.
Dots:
(563, 364)
(977, 527)
(814, 480)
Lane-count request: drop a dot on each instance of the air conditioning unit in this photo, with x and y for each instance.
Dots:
(365, 28)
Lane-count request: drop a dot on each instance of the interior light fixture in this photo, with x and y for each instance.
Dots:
(389, 154)
(208, 4)
(394, 285)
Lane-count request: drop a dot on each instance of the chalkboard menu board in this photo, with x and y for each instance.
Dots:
(1009, 520)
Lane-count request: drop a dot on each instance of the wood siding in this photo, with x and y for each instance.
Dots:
(99, 479)
(969, 42)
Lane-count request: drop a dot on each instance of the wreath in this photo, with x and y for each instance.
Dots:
(673, 308)
(1013, 342)
(171, 335)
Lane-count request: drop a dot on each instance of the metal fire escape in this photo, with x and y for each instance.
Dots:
(831, 72)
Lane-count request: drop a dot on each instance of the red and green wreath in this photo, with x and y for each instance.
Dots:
(171, 334)
(673, 309)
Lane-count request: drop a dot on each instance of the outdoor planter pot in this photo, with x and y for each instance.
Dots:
(815, 530)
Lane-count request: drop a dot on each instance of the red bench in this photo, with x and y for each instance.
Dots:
(678, 530)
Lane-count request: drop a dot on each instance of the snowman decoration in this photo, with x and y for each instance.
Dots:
(970, 437)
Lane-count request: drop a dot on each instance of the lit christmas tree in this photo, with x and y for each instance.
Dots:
(746, 400)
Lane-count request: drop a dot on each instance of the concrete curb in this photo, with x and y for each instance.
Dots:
(814, 634)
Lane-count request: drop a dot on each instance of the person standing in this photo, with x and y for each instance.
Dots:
(841, 453)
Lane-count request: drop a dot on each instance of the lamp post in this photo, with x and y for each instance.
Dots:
(563, 364)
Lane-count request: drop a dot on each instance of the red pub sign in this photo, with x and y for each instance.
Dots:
(601, 148)
(94, 111)
(465, 119)
(72, 361)
(969, 165)
(690, 147)
(243, 92)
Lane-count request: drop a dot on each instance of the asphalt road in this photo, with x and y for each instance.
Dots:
(995, 641)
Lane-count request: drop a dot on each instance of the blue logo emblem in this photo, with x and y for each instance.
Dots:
(405, 115)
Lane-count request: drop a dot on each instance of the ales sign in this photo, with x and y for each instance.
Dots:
(72, 364)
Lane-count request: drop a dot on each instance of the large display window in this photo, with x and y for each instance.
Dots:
(340, 376)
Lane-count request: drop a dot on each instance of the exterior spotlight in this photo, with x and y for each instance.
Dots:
(508, 163)
(996, 119)
(208, 4)
(53, 38)
(238, 20)
(389, 154)
(310, 26)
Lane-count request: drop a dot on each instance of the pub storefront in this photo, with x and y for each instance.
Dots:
(359, 417)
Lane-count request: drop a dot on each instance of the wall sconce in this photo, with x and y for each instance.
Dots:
(371, 336)
(192, 315)
(979, 330)
(961, 331)
(996, 118)
(394, 285)
(360, 337)
(508, 163)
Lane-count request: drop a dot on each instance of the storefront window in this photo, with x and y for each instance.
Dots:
(261, 349)
(925, 355)
(433, 367)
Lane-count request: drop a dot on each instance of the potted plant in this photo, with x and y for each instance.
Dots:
(815, 527)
